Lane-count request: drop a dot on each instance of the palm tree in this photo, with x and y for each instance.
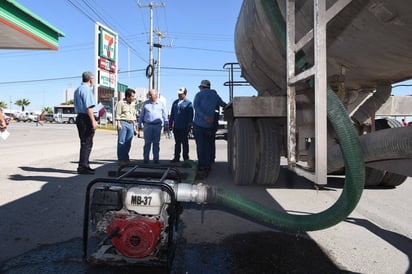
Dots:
(22, 103)
(47, 110)
(3, 105)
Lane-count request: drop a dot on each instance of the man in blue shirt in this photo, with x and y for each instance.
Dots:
(181, 118)
(84, 103)
(152, 114)
(205, 103)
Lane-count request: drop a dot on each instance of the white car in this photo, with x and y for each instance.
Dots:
(109, 117)
(32, 117)
(222, 129)
(21, 116)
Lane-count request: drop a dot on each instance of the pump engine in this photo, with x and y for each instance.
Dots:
(130, 222)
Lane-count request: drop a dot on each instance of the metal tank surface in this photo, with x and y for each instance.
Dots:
(368, 43)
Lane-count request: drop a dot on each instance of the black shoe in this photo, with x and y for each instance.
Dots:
(200, 175)
(145, 162)
(91, 169)
(124, 163)
(156, 161)
(174, 160)
(84, 170)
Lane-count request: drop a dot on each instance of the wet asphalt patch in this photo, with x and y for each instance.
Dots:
(255, 252)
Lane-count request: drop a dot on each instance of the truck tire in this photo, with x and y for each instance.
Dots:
(392, 179)
(267, 145)
(71, 121)
(373, 176)
(243, 150)
(388, 179)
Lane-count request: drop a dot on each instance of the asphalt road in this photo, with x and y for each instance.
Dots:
(41, 209)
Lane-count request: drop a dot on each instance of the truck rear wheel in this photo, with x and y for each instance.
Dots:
(392, 179)
(268, 160)
(243, 150)
(373, 176)
(388, 179)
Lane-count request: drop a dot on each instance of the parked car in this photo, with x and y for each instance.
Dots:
(222, 129)
(26, 116)
(48, 118)
(7, 118)
(109, 117)
(21, 116)
(32, 116)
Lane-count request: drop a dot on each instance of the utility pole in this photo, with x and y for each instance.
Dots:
(150, 68)
(158, 45)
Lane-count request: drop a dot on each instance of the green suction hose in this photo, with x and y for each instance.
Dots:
(352, 191)
(352, 154)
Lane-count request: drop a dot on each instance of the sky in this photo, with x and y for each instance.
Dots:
(199, 40)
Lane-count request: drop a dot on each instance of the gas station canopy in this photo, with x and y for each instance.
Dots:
(22, 29)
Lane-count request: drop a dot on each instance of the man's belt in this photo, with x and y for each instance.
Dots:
(128, 121)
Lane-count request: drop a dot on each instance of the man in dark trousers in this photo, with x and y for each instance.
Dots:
(181, 118)
(84, 103)
(205, 103)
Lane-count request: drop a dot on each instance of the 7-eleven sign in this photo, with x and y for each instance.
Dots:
(107, 44)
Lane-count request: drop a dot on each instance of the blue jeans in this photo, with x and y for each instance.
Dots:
(124, 140)
(151, 136)
(204, 138)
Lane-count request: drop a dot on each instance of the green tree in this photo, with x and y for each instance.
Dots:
(22, 103)
(3, 105)
(70, 102)
(47, 110)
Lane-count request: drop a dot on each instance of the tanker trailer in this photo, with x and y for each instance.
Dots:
(364, 47)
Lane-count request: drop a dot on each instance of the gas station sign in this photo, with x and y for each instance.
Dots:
(108, 41)
(107, 64)
(106, 49)
(107, 79)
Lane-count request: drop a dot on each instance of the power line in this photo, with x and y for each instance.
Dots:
(101, 18)
(121, 72)
(203, 49)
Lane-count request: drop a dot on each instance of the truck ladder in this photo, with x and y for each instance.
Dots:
(319, 72)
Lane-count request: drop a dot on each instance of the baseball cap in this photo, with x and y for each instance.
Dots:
(181, 90)
(205, 84)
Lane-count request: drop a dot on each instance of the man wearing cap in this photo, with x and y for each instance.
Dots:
(152, 114)
(84, 103)
(181, 117)
(205, 103)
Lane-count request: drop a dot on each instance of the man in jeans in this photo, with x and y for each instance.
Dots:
(86, 123)
(126, 126)
(205, 103)
(152, 115)
(181, 118)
